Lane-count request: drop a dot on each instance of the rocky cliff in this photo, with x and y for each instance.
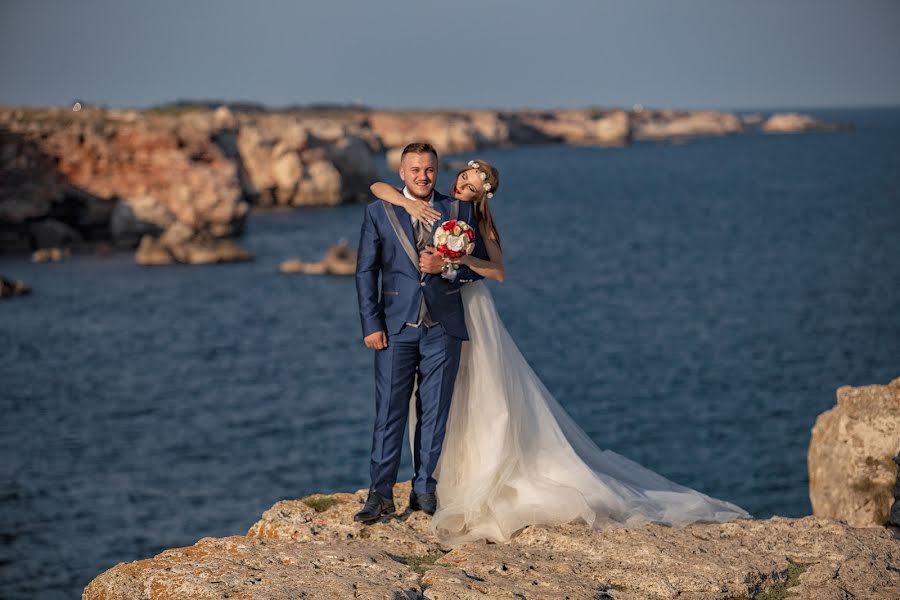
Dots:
(852, 473)
(312, 548)
(179, 180)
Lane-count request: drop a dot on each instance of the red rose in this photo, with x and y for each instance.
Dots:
(470, 234)
(449, 225)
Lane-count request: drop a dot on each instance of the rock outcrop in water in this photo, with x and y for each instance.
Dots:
(177, 179)
(291, 161)
(677, 125)
(582, 127)
(852, 474)
(313, 549)
(190, 249)
(177, 183)
(118, 175)
(10, 288)
(340, 259)
(796, 123)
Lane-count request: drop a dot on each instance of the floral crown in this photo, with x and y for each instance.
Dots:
(483, 175)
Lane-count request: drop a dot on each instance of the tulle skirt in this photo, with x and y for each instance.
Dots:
(513, 457)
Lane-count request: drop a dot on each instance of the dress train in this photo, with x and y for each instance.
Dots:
(513, 457)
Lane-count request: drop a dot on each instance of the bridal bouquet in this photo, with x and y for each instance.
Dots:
(454, 239)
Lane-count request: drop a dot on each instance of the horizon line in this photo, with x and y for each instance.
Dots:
(335, 105)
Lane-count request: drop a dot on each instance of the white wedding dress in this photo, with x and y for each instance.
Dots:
(513, 457)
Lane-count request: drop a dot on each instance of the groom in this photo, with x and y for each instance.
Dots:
(415, 325)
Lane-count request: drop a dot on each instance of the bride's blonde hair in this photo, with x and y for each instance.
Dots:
(482, 210)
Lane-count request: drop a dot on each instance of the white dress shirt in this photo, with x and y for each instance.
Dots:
(411, 197)
(448, 275)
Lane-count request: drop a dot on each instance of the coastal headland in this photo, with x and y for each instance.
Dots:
(311, 548)
(176, 182)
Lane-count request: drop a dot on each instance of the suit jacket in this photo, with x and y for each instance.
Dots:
(394, 258)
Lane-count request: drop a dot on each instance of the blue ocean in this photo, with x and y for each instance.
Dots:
(694, 307)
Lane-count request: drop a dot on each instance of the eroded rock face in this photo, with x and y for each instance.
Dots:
(668, 125)
(314, 549)
(446, 132)
(194, 250)
(295, 162)
(737, 559)
(122, 175)
(339, 259)
(29, 186)
(10, 288)
(251, 569)
(582, 127)
(895, 507)
(294, 520)
(116, 175)
(851, 468)
(795, 123)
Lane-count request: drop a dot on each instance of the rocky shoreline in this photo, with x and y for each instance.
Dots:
(175, 181)
(311, 548)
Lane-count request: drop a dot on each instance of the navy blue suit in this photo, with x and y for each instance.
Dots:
(426, 356)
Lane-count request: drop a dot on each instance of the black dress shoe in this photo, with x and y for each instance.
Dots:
(376, 506)
(427, 503)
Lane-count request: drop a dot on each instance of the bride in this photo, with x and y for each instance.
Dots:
(512, 456)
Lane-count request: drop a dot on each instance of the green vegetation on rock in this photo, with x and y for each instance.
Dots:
(319, 502)
(780, 590)
(423, 562)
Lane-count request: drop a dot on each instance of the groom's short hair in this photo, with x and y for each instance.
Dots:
(418, 148)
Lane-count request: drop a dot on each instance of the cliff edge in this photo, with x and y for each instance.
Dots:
(313, 549)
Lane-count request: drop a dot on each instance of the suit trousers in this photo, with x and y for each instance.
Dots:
(429, 358)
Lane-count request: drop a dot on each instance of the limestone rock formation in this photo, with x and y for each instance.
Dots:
(105, 174)
(50, 255)
(852, 473)
(447, 132)
(294, 162)
(150, 252)
(815, 558)
(330, 518)
(193, 250)
(795, 123)
(894, 519)
(123, 175)
(392, 157)
(340, 259)
(895, 507)
(582, 127)
(256, 569)
(75, 178)
(312, 548)
(50, 233)
(673, 125)
(29, 185)
(10, 288)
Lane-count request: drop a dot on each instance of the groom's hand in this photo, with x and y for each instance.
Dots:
(430, 261)
(376, 341)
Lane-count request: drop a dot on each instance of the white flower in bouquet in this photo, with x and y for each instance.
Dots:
(456, 242)
(454, 239)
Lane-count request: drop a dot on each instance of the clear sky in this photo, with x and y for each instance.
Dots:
(427, 54)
